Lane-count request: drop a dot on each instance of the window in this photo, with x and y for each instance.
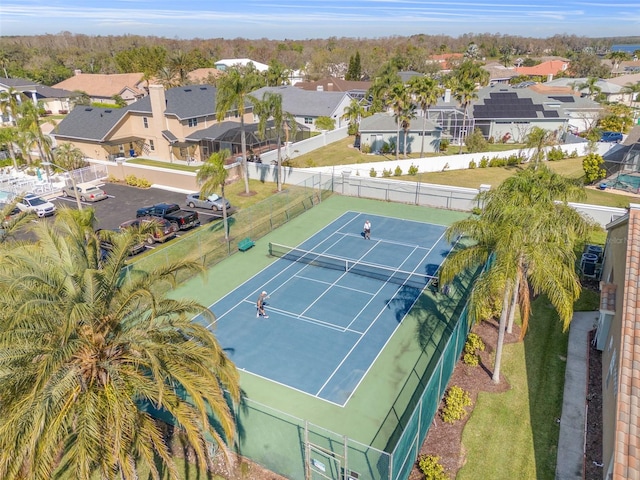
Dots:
(308, 121)
(145, 122)
(193, 122)
(152, 145)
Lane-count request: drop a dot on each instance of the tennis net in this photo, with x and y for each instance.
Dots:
(385, 274)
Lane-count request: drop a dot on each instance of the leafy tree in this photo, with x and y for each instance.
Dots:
(144, 59)
(633, 89)
(585, 64)
(86, 351)
(426, 92)
(618, 118)
(476, 142)
(234, 88)
(277, 74)
(8, 137)
(120, 102)
(80, 98)
(592, 166)
(354, 72)
(212, 175)
(325, 123)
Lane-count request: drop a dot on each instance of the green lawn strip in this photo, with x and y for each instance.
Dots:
(515, 434)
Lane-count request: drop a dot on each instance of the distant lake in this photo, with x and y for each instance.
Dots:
(625, 48)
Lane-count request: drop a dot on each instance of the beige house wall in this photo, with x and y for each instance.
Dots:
(613, 273)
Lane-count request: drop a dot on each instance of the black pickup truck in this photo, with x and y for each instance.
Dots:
(180, 219)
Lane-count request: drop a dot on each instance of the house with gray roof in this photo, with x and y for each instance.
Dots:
(381, 128)
(306, 106)
(52, 100)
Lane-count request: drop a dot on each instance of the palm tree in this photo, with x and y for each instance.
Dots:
(399, 100)
(212, 175)
(284, 123)
(381, 86)
(354, 113)
(633, 89)
(233, 91)
(426, 91)
(277, 74)
(86, 351)
(69, 157)
(464, 92)
(530, 239)
(591, 85)
(12, 222)
(8, 137)
(10, 101)
(537, 140)
(406, 116)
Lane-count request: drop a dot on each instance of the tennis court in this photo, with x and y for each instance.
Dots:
(334, 302)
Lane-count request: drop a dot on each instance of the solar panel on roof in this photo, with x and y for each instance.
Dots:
(550, 114)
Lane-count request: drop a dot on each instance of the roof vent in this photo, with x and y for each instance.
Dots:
(187, 89)
(88, 109)
(108, 111)
(203, 88)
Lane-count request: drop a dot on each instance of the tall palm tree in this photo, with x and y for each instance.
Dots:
(381, 86)
(530, 239)
(354, 113)
(8, 137)
(591, 85)
(86, 351)
(464, 92)
(633, 89)
(284, 123)
(426, 91)
(10, 101)
(234, 89)
(212, 175)
(399, 100)
(406, 116)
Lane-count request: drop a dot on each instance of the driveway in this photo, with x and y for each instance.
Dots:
(124, 200)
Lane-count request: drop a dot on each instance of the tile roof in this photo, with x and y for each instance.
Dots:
(627, 437)
(103, 85)
(300, 102)
(200, 75)
(552, 67)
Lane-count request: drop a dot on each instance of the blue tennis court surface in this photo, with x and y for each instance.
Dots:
(327, 326)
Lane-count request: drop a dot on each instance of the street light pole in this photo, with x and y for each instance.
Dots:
(73, 181)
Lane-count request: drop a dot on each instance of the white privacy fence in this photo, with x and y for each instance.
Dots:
(293, 150)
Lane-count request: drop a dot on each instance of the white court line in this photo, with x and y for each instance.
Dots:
(382, 240)
(338, 286)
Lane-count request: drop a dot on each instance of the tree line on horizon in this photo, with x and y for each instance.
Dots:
(51, 58)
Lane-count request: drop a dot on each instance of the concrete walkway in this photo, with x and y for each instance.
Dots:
(570, 463)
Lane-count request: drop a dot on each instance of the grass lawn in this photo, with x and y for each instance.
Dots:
(515, 434)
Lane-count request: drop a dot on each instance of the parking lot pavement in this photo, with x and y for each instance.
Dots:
(124, 200)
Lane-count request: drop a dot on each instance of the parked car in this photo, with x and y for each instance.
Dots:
(35, 204)
(86, 193)
(212, 202)
(611, 137)
(162, 232)
(180, 219)
(106, 244)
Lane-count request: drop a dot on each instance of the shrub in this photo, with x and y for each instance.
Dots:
(471, 347)
(310, 162)
(473, 164)
(430, 466)
(498, 162)
(373, 173)
(454, 404)
(476, 211)
(386, 173)
(491, 140)
(591, 164)
(137, 182)
(413, 170)
(352, 129)
(514, 159)
(444, 144)
(484, 162)
(365, 148)
(555, 154)
(389, 147)
(476, 141)
(574, 154)
(397, 172)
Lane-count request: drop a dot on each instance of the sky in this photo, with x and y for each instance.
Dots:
(306, 19)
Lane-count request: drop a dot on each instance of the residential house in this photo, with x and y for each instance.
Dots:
(625, 67)
(306, 106)
(509, 114)
(355, 89)
(583, 112)
(618, 337)
(623, 81)
(226, 63)
(498, 73)
(546, 69)
(446, 61)
(381, 128)
(156, 126)
(52, 100)
(101, 88)
(611, 91)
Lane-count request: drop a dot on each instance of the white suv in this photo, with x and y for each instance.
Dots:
(35, 204)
